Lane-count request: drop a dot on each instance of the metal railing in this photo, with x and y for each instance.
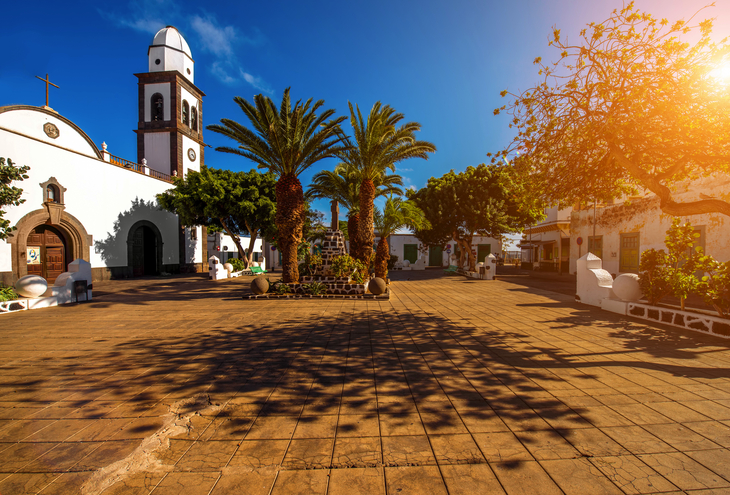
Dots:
(138, 167)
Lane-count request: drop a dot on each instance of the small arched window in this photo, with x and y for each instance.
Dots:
(186, 113)
(194, 118)
(51, 194)
(157, 108)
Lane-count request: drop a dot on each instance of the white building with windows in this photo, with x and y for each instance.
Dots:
(623, 230)
(408, 247)
(83, 202)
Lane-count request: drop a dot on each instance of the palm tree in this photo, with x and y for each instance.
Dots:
(379, 145)
(343, 186)
(397, 214)
(286, 142)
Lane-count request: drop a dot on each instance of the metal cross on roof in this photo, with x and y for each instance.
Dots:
(47, 83)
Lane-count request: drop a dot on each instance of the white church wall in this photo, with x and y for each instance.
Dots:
(105, 198)
(191, 164)
(149, 90)
(157, 151)
(186, 95)
(31, 123)
(6, 264)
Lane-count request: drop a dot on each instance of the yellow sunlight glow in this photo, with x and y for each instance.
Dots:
(721, 74)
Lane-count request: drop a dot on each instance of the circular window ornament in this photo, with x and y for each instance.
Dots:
(158, 61)
(188, 71)
(51, 130)
(191, 154)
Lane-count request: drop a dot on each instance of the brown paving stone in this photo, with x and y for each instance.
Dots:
(272, 428)
(547, 444)
(256, 454)
(524, 477)
(684, 472)
(677, 412)
(680, 437)
(309, 453)
(358, 481)
(470, 478)
(310, 482)
(316, 427)
(250, 483)
(357, 452)
(425, 480)
(67, 483)
(17, 455)
(718, 432)
(407, 450)
(186, 483)
(135, 484)
(107, 453)
(593, 442)
(631, 474)
(578, 476)
(456, 449)
(26, 482)
(211, 455)
(401, 424)
(357, 425)
(602, 416)
(502, 447)
(61, 458)
(637, 440)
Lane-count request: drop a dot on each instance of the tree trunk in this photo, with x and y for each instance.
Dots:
(365, 227)
(252, 242)
(235, 237)
(289, 221)
(352, 232)
(667, 204)
(382, 255)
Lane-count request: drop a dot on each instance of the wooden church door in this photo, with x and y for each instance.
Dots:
(46, 254)
(144, 252)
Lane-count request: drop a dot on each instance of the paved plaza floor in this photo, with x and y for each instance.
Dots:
(453, 386)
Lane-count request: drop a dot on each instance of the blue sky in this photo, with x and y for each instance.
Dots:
(440, 63)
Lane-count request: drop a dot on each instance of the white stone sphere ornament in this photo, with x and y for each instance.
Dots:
(377, 286)
(229, 268)
(626, 287)
(31, 286)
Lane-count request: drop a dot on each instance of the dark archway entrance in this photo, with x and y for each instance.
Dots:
(144, 247)
(47, 253)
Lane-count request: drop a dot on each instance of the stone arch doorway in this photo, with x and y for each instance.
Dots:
(76, 239)
(47, 252)
(144, 249)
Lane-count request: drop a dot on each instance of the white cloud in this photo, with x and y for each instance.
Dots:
(398, 169)
(256, 82)
(222, 75)
(411, 187)
(215, 39)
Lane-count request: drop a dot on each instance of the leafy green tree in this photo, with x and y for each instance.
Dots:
(237, 202)
(486, 200)
(715, 285)
(9, 194)
(343, 186)
(397, 214)
(379, 143)
(628, 107)
(287, 142)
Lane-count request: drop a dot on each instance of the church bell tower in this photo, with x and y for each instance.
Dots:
(170, 123)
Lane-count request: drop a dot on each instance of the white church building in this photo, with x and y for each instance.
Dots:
(83, 202)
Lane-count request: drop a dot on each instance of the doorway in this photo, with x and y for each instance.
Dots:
(435, 256)
(144, 247)
(46, 253)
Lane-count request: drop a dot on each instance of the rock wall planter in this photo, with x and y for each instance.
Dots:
(713, 325)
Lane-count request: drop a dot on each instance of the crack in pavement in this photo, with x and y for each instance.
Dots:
(143, 458)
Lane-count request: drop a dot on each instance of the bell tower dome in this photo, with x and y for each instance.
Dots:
(170, 51)
(170, 124)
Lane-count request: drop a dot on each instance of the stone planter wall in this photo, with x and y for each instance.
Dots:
(713, 325)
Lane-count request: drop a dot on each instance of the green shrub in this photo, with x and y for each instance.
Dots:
(315, 288)
(654, 275)
(7, 293)
(715, 285)
(237, 264)
(347, 266)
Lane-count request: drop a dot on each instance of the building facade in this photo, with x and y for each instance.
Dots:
(83, 202)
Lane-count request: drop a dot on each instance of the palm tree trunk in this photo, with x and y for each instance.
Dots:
(382, 254)
(365, 227)
(289, 221)
(352, 232)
